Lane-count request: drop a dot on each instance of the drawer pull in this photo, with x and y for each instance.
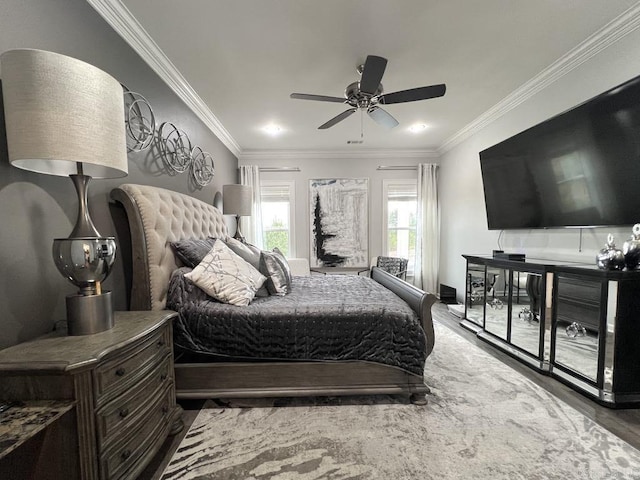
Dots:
(160, 344)
(165, 409)
(126, 454)
(163, 377)
(124, 412)
(120, 372)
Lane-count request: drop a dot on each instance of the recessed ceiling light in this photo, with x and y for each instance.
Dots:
(272, 129)
(417, 127)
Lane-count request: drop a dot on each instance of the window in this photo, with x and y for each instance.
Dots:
(277, 219)
(400, 218)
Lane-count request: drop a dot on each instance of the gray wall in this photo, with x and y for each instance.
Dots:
(34, 208)
(464, 224)
(336, 166)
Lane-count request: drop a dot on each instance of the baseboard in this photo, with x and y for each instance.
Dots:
(456, 309)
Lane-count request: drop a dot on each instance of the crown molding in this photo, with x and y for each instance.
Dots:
(126, 25)
(618, 28)
(258, 155)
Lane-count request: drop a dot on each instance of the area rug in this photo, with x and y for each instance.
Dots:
(483, 421)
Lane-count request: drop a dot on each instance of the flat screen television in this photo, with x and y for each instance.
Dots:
(578, 169)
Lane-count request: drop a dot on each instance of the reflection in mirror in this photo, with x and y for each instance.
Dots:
(526, 310)
(475, 294)
(577, 348)
(497, 318)
(577, 322)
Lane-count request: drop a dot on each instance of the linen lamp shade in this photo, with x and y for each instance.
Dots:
(60, 111)
(237, 200)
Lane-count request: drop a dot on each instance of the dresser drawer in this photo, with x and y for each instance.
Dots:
(119, 373)
(124, 413)
(123, 459)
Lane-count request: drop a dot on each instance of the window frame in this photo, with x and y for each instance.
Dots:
(291, 187)
(385, 211)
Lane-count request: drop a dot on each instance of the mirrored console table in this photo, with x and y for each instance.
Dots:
(573, 321)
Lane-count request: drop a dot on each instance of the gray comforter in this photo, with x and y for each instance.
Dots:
(332, 317)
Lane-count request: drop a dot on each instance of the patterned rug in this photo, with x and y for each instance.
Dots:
(483, 421)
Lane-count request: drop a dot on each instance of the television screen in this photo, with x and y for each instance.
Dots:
(578, 169)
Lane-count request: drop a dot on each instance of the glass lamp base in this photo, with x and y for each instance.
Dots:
(89, 314)
(84, 261)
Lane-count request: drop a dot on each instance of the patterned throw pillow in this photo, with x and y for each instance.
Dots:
(191, 251)
(226, 277)
(251, 254)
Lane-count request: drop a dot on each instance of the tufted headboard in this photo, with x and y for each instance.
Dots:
(157, 217)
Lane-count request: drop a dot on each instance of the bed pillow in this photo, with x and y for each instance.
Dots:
(250, 254)
(271, 266)
(285, 264)
(226, 277)
(246, 251)
(191, 251)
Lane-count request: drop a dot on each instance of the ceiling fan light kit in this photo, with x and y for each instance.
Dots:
(368, 94)
(272, 129)
(417, 127)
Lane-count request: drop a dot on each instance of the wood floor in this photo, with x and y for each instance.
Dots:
(625, 423)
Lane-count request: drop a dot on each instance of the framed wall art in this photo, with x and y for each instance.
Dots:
(339, 220)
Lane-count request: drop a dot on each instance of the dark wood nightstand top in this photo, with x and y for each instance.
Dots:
(59, 352)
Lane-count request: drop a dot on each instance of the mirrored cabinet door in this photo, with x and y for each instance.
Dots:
(497, 312)
(526, 310)
(577, 325)
(474, 297)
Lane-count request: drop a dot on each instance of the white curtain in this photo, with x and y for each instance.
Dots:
(251, 226)
(428, 229)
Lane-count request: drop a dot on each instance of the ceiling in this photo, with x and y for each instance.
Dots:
(244, 58)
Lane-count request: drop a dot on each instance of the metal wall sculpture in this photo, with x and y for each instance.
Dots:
(174, 144)
(339, 222)
(140, 121)
(202, 167)
(175, 147)
(180, 155)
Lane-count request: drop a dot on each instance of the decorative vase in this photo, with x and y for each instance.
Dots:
(610, 257)
(631, 248)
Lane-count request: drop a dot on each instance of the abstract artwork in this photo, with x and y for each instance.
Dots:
(339, 222)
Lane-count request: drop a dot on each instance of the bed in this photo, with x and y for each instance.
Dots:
(156, 217)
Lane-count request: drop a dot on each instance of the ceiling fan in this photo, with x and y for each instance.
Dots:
(367, 95)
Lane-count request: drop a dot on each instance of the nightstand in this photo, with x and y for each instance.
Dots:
(121, 380)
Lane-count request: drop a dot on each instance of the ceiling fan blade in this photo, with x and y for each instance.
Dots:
(319, 98)
(382, 117)
(337, 118)
(372, 74)
(413, 94)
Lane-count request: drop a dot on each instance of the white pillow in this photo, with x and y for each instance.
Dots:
(226, 277)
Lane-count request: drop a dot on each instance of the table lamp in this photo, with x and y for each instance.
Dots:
(66, 117)
(237, 200)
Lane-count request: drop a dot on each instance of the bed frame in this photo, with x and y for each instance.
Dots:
(156, 217)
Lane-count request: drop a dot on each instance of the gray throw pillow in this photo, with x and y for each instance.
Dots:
(285, 265)
(247, 252)
(191, 251)
(271, 266)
